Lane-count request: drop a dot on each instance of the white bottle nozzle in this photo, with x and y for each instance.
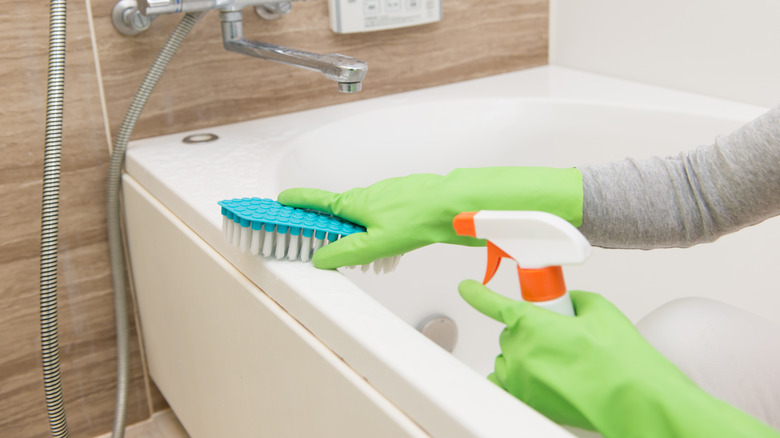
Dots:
(539, 243)
(534, 239)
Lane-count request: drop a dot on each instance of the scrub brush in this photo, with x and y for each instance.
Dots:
(264, 227)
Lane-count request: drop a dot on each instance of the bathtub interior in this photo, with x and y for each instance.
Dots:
(443, 135)
(438, 136)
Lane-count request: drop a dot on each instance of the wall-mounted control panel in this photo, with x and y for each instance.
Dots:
(350, 16)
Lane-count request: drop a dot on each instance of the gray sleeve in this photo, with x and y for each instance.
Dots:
(690, 198)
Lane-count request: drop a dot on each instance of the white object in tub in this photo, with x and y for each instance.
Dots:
(546, 116)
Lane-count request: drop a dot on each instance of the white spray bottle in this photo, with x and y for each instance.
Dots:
(538, 242)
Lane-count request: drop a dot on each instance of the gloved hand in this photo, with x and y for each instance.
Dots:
(595, 371)
(402, 214)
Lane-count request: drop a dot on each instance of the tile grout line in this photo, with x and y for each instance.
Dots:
(99, 74)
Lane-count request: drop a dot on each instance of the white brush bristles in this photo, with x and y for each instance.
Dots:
(293, 247)
(236, 234)
(305, 248)
(268, 243)
(317, 244)
(226, 227)
(246, 239)
(257, 242)
(281, 245)
(284, 246)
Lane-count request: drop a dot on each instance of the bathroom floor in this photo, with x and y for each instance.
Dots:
(162, 425)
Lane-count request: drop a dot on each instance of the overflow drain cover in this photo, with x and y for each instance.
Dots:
(441, 330)
(200, 138)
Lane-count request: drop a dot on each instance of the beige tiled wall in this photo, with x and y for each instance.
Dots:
(204, 86)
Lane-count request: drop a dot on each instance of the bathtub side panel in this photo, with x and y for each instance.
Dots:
(227, 358)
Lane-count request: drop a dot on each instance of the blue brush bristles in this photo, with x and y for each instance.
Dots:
(262, 226)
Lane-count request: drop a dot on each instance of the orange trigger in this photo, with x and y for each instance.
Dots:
(494, 255)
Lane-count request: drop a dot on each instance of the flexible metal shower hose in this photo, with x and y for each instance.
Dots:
(55, 91)
(50, 217)
(50, 220)
(113, 215)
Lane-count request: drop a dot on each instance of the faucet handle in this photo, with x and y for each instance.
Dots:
(157, 7)
(272, 11)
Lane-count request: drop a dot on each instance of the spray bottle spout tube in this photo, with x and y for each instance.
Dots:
(538, 242)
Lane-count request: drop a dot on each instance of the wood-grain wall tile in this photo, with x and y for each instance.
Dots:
(206, 85)
(87, 336)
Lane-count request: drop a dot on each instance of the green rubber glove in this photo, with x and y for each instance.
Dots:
(595, 371)
(402, 214)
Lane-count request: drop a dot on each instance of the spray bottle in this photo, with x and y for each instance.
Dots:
(538, 242)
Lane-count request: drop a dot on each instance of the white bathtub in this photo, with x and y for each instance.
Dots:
(242, 346)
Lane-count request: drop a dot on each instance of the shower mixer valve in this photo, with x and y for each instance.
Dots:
(157, 7)
(346, 71)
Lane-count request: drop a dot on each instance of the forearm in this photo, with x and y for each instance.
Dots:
(687, 199)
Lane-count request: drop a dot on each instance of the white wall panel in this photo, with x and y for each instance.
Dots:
(727, 48)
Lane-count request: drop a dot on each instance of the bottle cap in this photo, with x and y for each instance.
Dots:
(542, 284)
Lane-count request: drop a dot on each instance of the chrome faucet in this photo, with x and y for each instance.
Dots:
(346, 70)
(130, 15)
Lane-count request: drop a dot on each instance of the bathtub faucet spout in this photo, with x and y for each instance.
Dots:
(347, 71)
(133, 16)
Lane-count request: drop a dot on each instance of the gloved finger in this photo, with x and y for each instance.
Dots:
(314, 199)
(492, 377)
(357, 249)
(484, 300)
(506, 336)
(499, 371)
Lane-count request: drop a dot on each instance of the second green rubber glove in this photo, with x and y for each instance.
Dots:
(406, 213)
(595, 371)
